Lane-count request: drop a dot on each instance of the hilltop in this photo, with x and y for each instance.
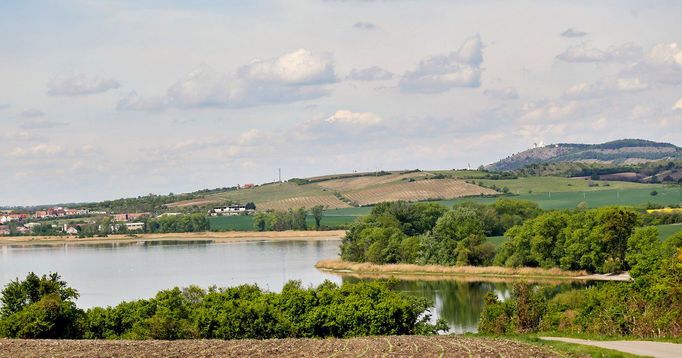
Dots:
(618, 152)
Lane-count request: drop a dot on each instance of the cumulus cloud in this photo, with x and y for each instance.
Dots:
(41, 123)
(506, 93)
(663, 64)
(300, 67)
(364, 25)
(678, 105)
(573, 32)
(582, 53)
(134, 102)
(605, 87)
(32, 113)
(549, 111)
(42, 149)
(292, 77)
(374, 73)
(79, 84)
(354, 118)
(441, 73)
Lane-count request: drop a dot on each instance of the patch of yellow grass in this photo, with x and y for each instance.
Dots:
(365, 267)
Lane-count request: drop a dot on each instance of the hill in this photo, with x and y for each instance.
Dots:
(619, 152)
(349, 190)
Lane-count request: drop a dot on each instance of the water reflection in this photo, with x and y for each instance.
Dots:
(459, 302)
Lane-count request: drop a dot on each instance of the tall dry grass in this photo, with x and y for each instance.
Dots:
(365, 267)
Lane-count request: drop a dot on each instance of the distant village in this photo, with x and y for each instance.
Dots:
(25, 223)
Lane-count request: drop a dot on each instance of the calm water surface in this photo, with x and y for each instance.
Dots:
(106, 274)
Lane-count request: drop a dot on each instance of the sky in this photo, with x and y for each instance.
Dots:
(109, 99)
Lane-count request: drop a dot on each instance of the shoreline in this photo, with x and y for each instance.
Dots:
(224, 236)
(364, 269)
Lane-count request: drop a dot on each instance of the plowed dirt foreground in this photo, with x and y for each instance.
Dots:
(403, 346)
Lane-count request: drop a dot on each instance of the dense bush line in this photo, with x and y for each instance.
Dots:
(593, 240)
(43, 307)
(651, 306)
(429, 233)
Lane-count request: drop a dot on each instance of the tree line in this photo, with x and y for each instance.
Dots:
(292, 219)
(44, 307)
(650, 306)
(430, 233)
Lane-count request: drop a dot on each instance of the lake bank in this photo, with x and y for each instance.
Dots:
(227, 236)
(364, 268)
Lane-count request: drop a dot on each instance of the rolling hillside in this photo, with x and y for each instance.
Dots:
(344, 191)
(622, 152)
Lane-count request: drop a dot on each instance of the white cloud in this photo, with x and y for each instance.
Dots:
(32, 113)
(573, 32)
(374, 73)
(42, 149)
(443, 72)
(292, 77)
(41, 123)
(605, 87)
(663, 64)
(79, 84)
(548, 111)
(300, 67)
(678, 105)
(505, 93)
(135, 102)
(582, 53)
(354, 118)
(361, 25)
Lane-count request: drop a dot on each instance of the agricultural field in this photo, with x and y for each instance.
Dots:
(666, 231)
(524, 185)
(431, 346)
(339, 191)
(568, 200)
(245, 222)
(417, 191)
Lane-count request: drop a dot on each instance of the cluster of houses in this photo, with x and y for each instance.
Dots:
(231, 210)
(23, 223)
(56, 212)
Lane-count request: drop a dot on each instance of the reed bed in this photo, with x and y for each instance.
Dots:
(365, 267)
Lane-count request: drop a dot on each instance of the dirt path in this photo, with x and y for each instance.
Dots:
(644, 348)
(395, 346)
(226, 236)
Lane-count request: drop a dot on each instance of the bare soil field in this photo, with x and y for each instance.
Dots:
(228, 236)
(401, 346)
(368, 181)
(418, 190)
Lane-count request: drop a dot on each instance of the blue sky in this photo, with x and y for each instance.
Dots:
(105, 99)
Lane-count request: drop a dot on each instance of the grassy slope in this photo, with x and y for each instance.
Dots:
(666, 231)
(560, 184)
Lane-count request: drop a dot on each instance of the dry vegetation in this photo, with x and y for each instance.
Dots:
(417, 191)
(435, 346)
(363, 190)
(482, 271)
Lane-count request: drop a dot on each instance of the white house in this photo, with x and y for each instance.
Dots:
(230, 210)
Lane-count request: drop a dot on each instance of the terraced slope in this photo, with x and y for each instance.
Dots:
(339, 191)
(394, 346)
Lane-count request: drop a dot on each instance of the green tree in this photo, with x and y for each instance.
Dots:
(317, 211)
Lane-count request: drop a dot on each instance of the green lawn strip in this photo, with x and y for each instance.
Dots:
(497, 240)
(666, 231)
(571, 349)
(245, 222)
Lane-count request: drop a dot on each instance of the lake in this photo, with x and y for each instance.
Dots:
(106, 274)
